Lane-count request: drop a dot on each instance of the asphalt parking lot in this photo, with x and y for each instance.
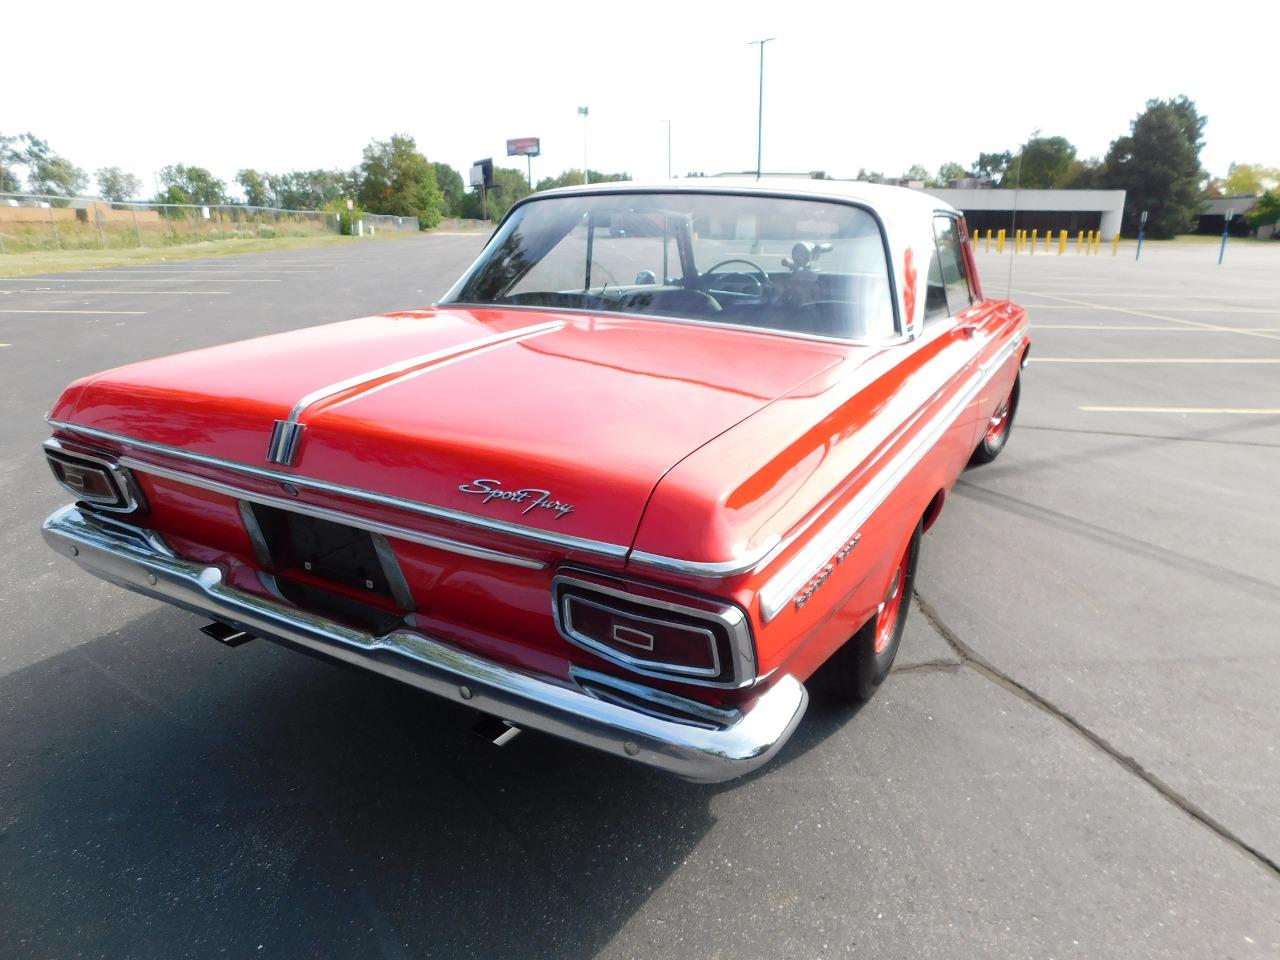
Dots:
(1076, 758)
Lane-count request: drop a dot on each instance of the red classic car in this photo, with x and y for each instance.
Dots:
(660, 458)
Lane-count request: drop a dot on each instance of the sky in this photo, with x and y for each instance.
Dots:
(879, 86)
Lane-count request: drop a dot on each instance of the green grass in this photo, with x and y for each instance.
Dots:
(58, 261)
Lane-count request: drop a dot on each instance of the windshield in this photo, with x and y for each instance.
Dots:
(796, 266)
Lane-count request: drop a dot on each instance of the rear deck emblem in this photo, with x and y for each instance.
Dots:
(530, 498)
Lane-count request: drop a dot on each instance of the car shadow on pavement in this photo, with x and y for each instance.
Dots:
(163, 796)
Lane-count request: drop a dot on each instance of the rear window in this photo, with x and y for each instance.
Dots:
(797, 266)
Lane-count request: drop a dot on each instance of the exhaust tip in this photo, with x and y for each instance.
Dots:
(225, 634)
(497, 732)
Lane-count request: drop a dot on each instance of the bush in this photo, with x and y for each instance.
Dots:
(1266, 212)
(346, 218)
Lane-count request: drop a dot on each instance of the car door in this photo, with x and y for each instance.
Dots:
(952, 281)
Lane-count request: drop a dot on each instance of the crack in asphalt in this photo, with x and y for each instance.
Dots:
(980, 665)
(1136, 546)
(930, 666)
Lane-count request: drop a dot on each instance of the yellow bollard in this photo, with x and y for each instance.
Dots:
(1034, 234)
(1097, 241)
(1093, 241)
(1048, 237)
(1115, 244)
(1000, 242)
(1062, 242)
(987, 248)
(1079, 241)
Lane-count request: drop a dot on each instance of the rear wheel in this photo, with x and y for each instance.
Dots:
(998, 427)
(857, 669)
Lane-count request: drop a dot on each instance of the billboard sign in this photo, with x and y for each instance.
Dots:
(524, 147)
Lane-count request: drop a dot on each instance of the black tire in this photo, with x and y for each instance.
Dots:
(856, 670)
(997, 435)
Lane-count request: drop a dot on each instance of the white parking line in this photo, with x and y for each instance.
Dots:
(1153, 294)
(1154, 359)
(121, 313)
(1157, 316)
(1267, 411)
(207, 273)
(145, 280)
(1148, 327)
(1203, 309)
(98, 293)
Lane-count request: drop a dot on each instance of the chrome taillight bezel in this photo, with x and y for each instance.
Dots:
(726, 625)
(126, 497)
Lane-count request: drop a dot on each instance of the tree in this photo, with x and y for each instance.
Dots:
(992, 165)
(46, 171)
(257, 191)
(396, 179)
(115, 184)
(1158, 165)
(452, 189)
(950, 171)
(916, 172)
(1088, 174)
(183, 184)
(1249, 179)
(573, 177)
(1267, 211)
(312, 189)
(9, 182)
(1042, 164)
(509, 185)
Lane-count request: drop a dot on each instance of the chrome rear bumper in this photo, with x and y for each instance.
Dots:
(139, 560)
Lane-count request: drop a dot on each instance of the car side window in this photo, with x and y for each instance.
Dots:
(935, 297)
(953, 272)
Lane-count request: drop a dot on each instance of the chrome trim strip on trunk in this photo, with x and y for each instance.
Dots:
(700, 568)
(334, 516)
(782, 587)
(426, 359)
(323, 486)
(286, 435)
(126, 557)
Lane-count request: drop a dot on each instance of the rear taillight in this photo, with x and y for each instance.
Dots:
(93, 477)
(654, 632)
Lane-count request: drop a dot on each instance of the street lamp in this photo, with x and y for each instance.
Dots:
(760, 112)
(582, 112)
(668, 123)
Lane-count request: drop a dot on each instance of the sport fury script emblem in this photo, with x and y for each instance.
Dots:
(492, 490)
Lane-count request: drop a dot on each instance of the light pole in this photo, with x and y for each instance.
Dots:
(668, 123)
(582, 112)
(760, 112)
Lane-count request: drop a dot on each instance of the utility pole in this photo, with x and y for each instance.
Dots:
(583, 112)
(668, 123)
(760, 111)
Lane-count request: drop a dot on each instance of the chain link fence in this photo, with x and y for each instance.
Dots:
(375, 223)
(36, 222)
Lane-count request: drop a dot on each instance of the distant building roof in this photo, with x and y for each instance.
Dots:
(1219, 206)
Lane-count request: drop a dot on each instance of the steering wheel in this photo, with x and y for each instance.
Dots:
(756, 275)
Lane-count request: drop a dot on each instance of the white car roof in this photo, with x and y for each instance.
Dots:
(890, 202)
